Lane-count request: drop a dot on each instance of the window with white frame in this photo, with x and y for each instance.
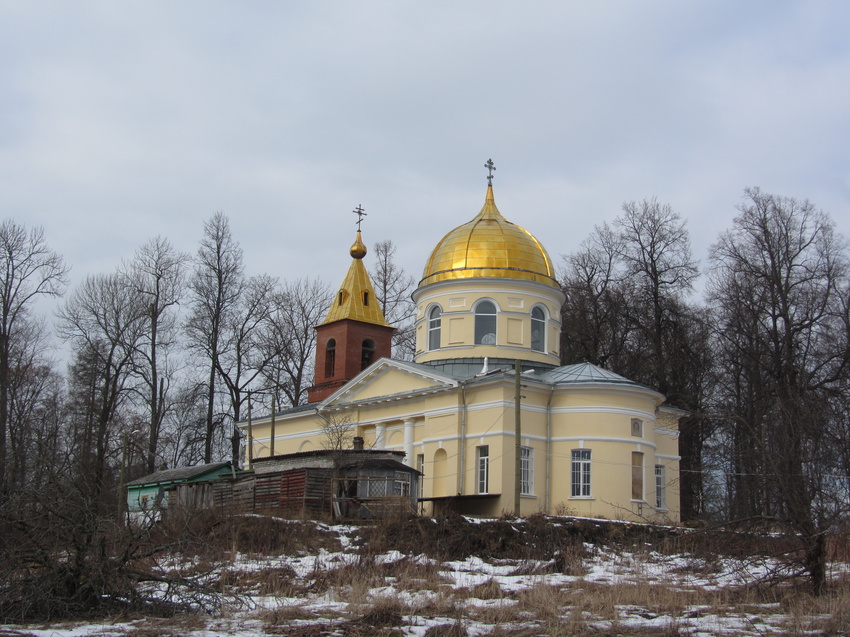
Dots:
(660, 488)
(434, 324)
(526, 475)
(401, 485)
(580, 473)
(483, 472)
(538, 330)
(420, 466)
(485, 323)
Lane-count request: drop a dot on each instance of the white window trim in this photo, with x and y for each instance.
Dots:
(431, 329)
(661, 488)
(526, 479)
(585, 468)
(495, 316)
(482, 470)
(544, 325)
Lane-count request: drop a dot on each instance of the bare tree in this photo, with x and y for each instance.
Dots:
(185, 435)
(215, 289)
(242, 358)
(35, 405)
(290, 337)
(157, 275)
(393, 287)
(779, 288)
(28, 270)
(626, 310)
(655, 249)
(105, 321)
(595, 325)
(337, 433)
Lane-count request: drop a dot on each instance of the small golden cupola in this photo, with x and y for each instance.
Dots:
(355, 332)
(355, 299)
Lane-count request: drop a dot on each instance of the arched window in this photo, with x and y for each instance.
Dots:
(434, 322)
(367, 353)
(330, 358)
(538, 330)
(485, 323)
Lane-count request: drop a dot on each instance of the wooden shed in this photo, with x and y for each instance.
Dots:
(187, 486)
(362, 483)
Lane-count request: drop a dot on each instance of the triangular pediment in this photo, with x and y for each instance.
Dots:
(389, 379)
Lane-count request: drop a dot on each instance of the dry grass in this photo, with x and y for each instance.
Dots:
(828, 614)
(285, 614)
(491, 589)
(447, 630)
(543, 602)
(505, 613)
(538, 550)
(213, 534)
(604, 601)
(414, 575)
(172, 627)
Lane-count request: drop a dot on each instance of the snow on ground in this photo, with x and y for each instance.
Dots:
(455, 594)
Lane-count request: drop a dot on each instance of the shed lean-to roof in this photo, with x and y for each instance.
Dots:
(179, 474)
(380, 464)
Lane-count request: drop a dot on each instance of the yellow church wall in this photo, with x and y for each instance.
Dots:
(514, 300)
(596, 418)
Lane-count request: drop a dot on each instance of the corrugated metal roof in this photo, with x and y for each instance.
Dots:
(178, 473)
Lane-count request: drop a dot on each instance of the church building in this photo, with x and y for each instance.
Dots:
(485, 412)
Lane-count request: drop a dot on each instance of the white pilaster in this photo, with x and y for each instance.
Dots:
(380, 436)
(408, 443)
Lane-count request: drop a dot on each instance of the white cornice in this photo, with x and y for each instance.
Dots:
(666, 456)
(664, 431)
(626, 441)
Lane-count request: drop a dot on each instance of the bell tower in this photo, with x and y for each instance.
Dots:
(354, 333)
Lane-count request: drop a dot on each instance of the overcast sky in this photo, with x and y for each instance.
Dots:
(124, 120)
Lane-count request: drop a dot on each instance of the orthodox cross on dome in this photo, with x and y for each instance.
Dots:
(490, 166)
(360, 214)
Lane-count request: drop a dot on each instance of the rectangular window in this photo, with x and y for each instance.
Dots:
(660, 487)
(526, 477)
(376, 488)
(581, 473)
(420, 466)
(401, 486)
(483, 468)
(637, 475)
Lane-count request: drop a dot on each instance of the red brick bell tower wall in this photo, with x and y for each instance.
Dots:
(348, 357)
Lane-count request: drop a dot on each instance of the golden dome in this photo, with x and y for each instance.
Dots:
(489, 246)
(358, 248)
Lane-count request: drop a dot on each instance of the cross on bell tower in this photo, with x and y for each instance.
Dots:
(360, 214)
